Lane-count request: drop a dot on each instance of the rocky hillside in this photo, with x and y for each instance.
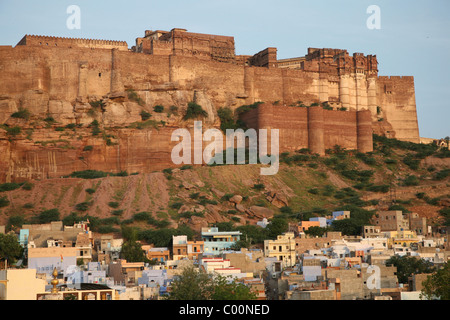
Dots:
(417, 177)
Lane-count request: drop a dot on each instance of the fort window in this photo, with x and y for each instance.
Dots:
(99, 74)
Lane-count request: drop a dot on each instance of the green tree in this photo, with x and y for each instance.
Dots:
(407, 266)
(348, 227)
(193, 284)
(252, 234)
(71, 219)
(316, 231)
(131, 249)
(132, 252)
(10, 248)
(438, 284)
(277, 226)
(15, 221)
(227, 289)
(48, 216)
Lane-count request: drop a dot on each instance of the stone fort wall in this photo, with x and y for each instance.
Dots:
(314, 128)
(69, 72)
(59, 80)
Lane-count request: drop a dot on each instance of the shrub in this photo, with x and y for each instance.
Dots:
(313, 191)
(227, 197)
(83, 206)
(411, 161)
(97, 104)
(133, 96)
(194, 195)
(88, 174)
(146, 124)
(366, 158)
(398, 207)
(194, 111)
(121, 174)
(411, 181)
(117, 212)
(90, 190)
(27, 186)
(286, 209)
(259, 186)
(432, 201)
(384, 188)
(158, 108)
(390, 161)
(176, 205)
(88, 148)
(49, 120)
(141, 216)
(145, 115)
(28, 205)
(13, 131)
(113, 204)
(227, 121)
(160, 223)
(203, 201)
(95, 128)
(4, 202)
(420, 195)
(22, 114)
(441, 175)
(186, 167)
(8, 186)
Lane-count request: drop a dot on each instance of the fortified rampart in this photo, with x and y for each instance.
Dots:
(58, 77)
(48, 41)
(313, 128)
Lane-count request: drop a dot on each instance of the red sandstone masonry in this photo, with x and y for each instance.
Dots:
(313, 127)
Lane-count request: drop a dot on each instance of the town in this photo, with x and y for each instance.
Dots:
(69, 262)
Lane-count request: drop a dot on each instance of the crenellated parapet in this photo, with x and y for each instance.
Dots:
(339, 62)
(50, 41)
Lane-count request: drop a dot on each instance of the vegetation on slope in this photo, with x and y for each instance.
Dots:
(160, 205)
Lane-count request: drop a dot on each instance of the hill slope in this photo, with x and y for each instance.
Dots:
(416, 176)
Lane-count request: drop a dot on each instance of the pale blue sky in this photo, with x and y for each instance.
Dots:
(414, 38)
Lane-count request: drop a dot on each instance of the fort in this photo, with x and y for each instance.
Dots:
(59, 78)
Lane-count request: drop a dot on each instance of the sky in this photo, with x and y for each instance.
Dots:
(413, 37)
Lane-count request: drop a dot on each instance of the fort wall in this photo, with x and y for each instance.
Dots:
(70, 73)
(396, 99)
(313, 128)
(49, 41)
(59, 81)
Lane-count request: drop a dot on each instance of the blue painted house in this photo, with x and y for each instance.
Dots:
(216, 241)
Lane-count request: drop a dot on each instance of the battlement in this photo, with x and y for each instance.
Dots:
(396, 78)
(52, 41)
